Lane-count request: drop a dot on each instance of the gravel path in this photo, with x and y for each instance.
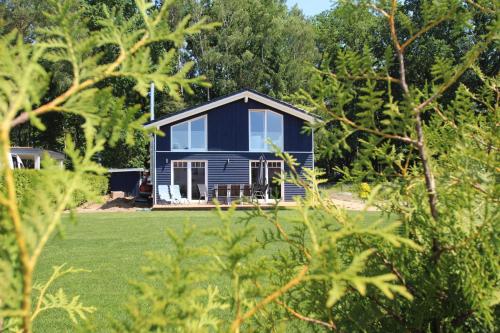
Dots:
(348, 201)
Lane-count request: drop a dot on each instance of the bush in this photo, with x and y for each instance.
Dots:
(25, 178)
(364, 190)
(99, 185)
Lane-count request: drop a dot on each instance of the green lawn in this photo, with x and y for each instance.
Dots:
(112, 247)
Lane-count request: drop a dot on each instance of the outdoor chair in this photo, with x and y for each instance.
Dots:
(234, 192)
(221, 193)
(164, 194)
(259, 191)
(175, 191)
(202, 188)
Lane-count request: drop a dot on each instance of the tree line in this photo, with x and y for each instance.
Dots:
(260, 44)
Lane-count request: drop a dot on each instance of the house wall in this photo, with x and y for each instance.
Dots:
(237, 171)
(228, 129)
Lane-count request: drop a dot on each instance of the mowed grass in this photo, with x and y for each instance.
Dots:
(112, 247)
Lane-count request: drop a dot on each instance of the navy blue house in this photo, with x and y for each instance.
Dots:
(220, 142)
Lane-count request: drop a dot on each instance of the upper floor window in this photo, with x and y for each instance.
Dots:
(190, 135)
(265, 126)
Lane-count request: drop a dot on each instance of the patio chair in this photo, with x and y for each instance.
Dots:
(164, 194)
(221, 193)
(202, 188)
(234, 192)
(259, 191)
(175, 191)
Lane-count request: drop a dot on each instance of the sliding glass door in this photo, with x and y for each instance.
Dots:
(188, 175)
(272, 170)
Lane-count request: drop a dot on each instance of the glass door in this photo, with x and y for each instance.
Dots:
(272, 172)
(198, 177)
(180, 177)
(188, 175)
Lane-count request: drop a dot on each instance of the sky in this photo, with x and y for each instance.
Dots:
(311, 7)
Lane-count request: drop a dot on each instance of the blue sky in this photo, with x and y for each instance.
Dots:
(311, 7)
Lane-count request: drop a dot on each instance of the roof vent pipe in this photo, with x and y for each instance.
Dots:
(152, 101)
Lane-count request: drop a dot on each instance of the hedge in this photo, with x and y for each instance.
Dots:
(24, 179)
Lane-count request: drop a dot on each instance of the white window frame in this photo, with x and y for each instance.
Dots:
(267, 199)
(267, 148)
(190, 134)
(189, 177)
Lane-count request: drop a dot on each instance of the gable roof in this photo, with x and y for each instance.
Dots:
(242, 94)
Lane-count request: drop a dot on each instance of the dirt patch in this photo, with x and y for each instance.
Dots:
(348, 201)
(344, 200)
(113, 205)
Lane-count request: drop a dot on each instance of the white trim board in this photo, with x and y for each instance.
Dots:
(232, 151)
(242, 95)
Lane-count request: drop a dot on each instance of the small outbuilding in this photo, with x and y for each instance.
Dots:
(30, 158)
(125, 180)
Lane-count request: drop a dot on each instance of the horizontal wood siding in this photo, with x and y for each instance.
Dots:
(221, 172)
(291, 190)
(228, 129)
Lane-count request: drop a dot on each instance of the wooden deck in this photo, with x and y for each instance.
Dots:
(210, 206)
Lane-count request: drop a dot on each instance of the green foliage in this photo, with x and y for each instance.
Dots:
(98, 184)
(431, 152)
(320, 259)
(186, 305)
(261, 45)
(27, 221)
(25, 179)
(364, 190)
(454, 27)
(59, 300)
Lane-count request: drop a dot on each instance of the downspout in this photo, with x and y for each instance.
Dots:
(152, 161)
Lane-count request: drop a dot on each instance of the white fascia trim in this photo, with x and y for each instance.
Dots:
(232, 151)
(243, 94)
(281, 107)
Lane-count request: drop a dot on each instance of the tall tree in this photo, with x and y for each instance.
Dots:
(261, 45)
(345, 28)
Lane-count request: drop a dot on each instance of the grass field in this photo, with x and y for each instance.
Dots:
(112, 247)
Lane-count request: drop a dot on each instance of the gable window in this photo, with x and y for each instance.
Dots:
(190, 135)
(265, 126)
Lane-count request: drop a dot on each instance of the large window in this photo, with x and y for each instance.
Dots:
(190, 135)
(265, 126)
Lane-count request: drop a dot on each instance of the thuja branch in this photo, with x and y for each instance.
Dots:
(424, 30)
(55, 218)
(329, 325)
(428, 175)
(14, 214)
(77, 86)
(358, 127)
(235, 326)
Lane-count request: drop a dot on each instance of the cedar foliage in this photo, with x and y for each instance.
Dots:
(432, 161)
(432, 266)
(26, 225)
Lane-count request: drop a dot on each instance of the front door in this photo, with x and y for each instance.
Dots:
(188, 175)
(272, 172)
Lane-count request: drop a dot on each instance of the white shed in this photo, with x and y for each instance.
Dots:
(32, 154)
